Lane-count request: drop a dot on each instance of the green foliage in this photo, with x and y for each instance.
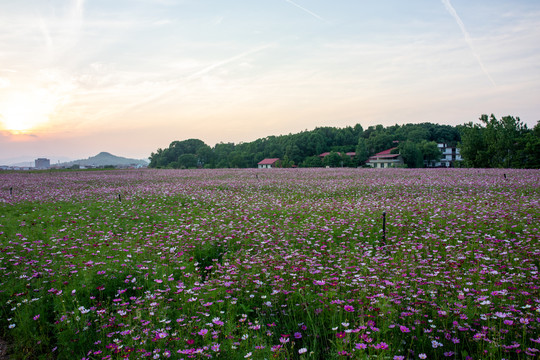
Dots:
(430, 152)
(286, 162)
(302, 148)
(333, 159)
(362, 154)
(504, 143)
(411, 153)
(186, 161)
(312, 161)
(172, 156)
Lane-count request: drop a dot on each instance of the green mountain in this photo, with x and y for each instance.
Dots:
(106, 159)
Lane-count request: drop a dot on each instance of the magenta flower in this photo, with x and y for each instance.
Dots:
(348, 308)
(404, 329)
(381, 345)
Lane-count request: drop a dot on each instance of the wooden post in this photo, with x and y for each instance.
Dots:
(120, 197)
(11, 191)
(384, 226)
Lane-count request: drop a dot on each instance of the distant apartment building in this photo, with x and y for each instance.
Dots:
(42, 163)
(450, 155)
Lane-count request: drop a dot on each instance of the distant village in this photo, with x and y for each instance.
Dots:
(386, 159)
(45, 164)
(103, 160)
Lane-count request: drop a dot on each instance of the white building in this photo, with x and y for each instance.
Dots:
(268, 163)
(385, 159)
(42, 163)
(449, 156)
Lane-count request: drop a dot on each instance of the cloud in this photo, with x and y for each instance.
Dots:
(171, 87)
(468, 39)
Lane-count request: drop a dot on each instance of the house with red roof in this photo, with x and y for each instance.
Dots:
(268, 163)
(385, 159)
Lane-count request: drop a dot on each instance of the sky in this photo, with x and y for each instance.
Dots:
(78, 77)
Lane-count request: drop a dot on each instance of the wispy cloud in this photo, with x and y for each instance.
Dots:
(172, 87)
(307, 11)
(468, 39)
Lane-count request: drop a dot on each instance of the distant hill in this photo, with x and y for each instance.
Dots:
(104, 159)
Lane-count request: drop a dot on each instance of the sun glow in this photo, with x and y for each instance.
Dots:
(23, 112)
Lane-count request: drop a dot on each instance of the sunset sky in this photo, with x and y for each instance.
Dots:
(129, 76)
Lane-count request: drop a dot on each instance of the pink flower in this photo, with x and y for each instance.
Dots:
(348, 308)
(404, 329)
(360, 346)
(382, 346)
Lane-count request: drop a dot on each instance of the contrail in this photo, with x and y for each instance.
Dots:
(229, 60)
(308, 11)
(162, 94)
(468, 39)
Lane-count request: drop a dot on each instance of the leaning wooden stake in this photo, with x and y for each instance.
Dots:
(11, 191)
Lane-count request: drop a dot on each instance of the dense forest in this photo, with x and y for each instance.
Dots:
(417, 143)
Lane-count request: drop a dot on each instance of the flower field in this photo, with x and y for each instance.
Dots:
(272, 264)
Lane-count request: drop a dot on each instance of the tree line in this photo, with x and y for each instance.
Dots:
(417, 144)
(503, 143)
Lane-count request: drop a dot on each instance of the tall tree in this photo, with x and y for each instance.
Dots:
(411, 154)
(312, 161)
(531, 150)
(362, 154)
(333, 159)
(494, 143)
(430, 152)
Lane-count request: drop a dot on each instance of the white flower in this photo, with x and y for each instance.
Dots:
(302, 350)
